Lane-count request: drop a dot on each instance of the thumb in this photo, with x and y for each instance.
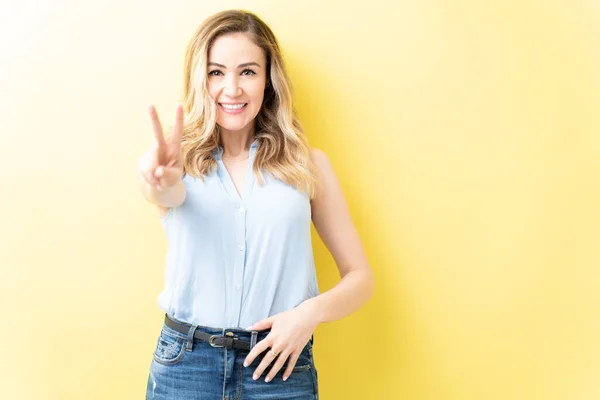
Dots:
(168, 175)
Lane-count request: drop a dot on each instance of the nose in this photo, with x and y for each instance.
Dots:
(231, 87)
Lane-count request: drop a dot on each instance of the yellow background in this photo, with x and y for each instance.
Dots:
(466, 137)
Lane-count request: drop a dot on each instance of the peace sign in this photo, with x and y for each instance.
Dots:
(161, 166)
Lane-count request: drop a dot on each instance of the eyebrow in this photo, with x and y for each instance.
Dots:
(239, 66)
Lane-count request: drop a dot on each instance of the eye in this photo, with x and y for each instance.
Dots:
(213, 73)
(248, 70)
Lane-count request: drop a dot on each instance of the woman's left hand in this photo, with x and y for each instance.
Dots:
(290, 332)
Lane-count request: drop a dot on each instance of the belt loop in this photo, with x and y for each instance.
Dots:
(189, 343)
(253, 337)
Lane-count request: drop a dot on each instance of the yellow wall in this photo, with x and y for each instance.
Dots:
(465, 134)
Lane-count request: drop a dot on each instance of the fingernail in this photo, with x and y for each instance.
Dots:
(255, 377)
(267, 379)
(245, 363)
(158, 188)
(285, 378)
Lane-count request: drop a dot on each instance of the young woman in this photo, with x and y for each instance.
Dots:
(236, 186)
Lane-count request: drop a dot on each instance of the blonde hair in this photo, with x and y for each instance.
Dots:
(283, 149)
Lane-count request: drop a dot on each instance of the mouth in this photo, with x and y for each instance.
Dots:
(232, 108)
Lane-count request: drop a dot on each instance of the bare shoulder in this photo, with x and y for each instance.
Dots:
(328, 190)
(332, 219)
(326, 176)
(324, 168)
(319, 158)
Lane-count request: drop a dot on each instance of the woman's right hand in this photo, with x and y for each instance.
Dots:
(161, 166)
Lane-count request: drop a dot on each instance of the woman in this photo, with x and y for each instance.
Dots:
(236, 186)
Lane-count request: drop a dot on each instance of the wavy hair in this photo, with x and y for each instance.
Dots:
(283, 149)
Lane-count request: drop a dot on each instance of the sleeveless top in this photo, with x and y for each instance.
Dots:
(234, 260)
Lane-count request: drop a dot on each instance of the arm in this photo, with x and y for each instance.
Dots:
(160, 168)
(291, 329)
(334, 225)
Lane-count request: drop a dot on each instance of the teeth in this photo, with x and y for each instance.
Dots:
(233, 107)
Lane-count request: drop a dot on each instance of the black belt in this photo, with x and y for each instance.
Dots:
(213, 340)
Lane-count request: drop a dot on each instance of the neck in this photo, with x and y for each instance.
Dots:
(236, 144)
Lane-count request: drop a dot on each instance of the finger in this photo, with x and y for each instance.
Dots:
(156, 178)
(178, 127)
(158, 173)
(149, 172)
(149, 176)
(169, 176)
(156, 126)
(256, 350)
(172, 173)
(267, 359)
(291, 364)
(264, 324)
(154, 182)
(277, 366)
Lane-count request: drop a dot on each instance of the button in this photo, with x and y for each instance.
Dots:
(242, 211)
(238, 287)
(241, 247)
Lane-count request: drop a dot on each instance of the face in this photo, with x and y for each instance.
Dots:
(236, 80)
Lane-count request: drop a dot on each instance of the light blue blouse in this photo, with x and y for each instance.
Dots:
(233, 261)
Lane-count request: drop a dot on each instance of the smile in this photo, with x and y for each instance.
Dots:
(233, 108)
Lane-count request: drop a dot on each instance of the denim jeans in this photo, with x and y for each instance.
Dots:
(194, 370)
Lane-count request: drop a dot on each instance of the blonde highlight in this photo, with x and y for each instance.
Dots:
(283, 149)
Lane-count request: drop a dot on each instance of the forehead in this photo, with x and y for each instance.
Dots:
(235, 48)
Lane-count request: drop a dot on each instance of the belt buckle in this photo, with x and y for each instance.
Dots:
(210, 341)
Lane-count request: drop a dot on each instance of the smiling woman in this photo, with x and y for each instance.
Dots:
(237, 186)
(238, 89)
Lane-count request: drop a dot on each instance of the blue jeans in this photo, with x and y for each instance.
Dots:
(184, 370)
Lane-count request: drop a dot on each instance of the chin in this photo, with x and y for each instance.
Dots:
(229, 126)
